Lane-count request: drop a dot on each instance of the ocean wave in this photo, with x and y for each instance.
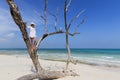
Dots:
(107, 57)
(91, 57)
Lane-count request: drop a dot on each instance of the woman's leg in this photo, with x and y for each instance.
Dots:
(35, 41)
(31, 42)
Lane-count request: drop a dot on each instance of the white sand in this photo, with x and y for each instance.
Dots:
(13, 67)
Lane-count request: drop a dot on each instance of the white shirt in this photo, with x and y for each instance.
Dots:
(32, 32)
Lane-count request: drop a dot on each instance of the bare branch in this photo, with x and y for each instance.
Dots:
(53, 33)
(65, 17)
(51, 14)
(56, 18)
(68, 5)
(39, 15)
(45, 21)
(81, 22)
(73, 61)
(72, 34)
(74, 18)
(81, 12)
(41, 39)
(46, 35)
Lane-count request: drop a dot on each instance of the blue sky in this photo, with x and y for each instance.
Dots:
(101, 29)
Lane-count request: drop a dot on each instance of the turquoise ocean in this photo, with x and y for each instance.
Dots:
(95, 57)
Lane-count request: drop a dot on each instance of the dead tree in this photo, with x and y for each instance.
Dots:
(67, 27)
(41, 73)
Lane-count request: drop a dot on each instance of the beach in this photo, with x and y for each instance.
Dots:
(52, 39)
(13, 67)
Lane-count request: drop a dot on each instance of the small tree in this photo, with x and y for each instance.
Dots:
(41, 73)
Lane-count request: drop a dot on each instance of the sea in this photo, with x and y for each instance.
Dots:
(95, 57)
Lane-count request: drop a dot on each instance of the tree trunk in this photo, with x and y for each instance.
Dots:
(68, 50)
(66, 28)
(22, 26)
(35, 61)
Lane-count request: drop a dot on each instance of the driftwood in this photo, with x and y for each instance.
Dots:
(47, 75)
(40, 72)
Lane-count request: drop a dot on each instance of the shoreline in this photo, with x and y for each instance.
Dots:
(94, 57)
(79, 62)
(13, 67)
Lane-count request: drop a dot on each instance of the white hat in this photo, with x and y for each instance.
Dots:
(32, 23)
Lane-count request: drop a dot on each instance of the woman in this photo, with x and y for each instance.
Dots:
(32, 34)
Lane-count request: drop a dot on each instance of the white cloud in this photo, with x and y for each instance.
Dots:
(10, 35)
(7, 26)
(6, 22)
(3, 40)
(7, 37)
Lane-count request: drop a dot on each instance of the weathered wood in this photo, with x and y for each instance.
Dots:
(66, 28)
(74, 18)
(53, 33)
(47, 75)
(56, 18)
(67, 6)
(40, 72)
(46, 35)
(81, 22)
(45, 17)
(22, 26)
